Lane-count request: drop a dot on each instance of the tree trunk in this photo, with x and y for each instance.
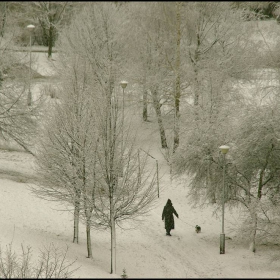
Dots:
(89, 249)
(114, 249)
(51, 40)
(196, 88)
(178, 79)
(145, 105)
(253, 232)
(76, 222)
(4, 19)
(159, 119)
(44, 37)
(194, 61)
(253, 205)
(113, 238)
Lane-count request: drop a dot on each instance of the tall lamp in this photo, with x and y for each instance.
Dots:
(224, 149)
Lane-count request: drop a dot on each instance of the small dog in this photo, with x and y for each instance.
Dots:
(197, 229)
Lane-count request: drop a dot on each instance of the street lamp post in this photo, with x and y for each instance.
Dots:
(30, 27)
(224, 149)
(156, 169)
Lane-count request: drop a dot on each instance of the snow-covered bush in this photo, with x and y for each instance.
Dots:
(51, 263)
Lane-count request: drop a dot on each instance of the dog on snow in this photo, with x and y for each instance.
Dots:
(197, 229)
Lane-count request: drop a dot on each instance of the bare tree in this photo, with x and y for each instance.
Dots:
(220, 53)
(252, 166)
(17, 122)
(255, 174)
(49, 15)
(150, 36)
(69, 130)
(126, 189)
(218, 46)
(96, 36)
(51, 263)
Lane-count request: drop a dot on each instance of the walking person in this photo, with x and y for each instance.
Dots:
(167, 216)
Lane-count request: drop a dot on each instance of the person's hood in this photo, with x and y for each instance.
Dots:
(169, 202)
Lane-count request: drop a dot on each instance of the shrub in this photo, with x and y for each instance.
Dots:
(51, 263)
(124, 275)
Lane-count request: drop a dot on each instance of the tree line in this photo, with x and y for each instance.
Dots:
(189, 62)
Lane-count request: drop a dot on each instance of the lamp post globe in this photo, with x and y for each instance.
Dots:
(30, 27)
(224, 149)
(123, 84)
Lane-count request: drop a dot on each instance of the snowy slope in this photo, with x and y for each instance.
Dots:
(143, 250)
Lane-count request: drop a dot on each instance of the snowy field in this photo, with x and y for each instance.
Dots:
(143, 250)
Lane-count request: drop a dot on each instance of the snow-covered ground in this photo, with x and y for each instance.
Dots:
(143, 250)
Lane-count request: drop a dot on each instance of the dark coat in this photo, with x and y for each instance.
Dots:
(167, 215)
